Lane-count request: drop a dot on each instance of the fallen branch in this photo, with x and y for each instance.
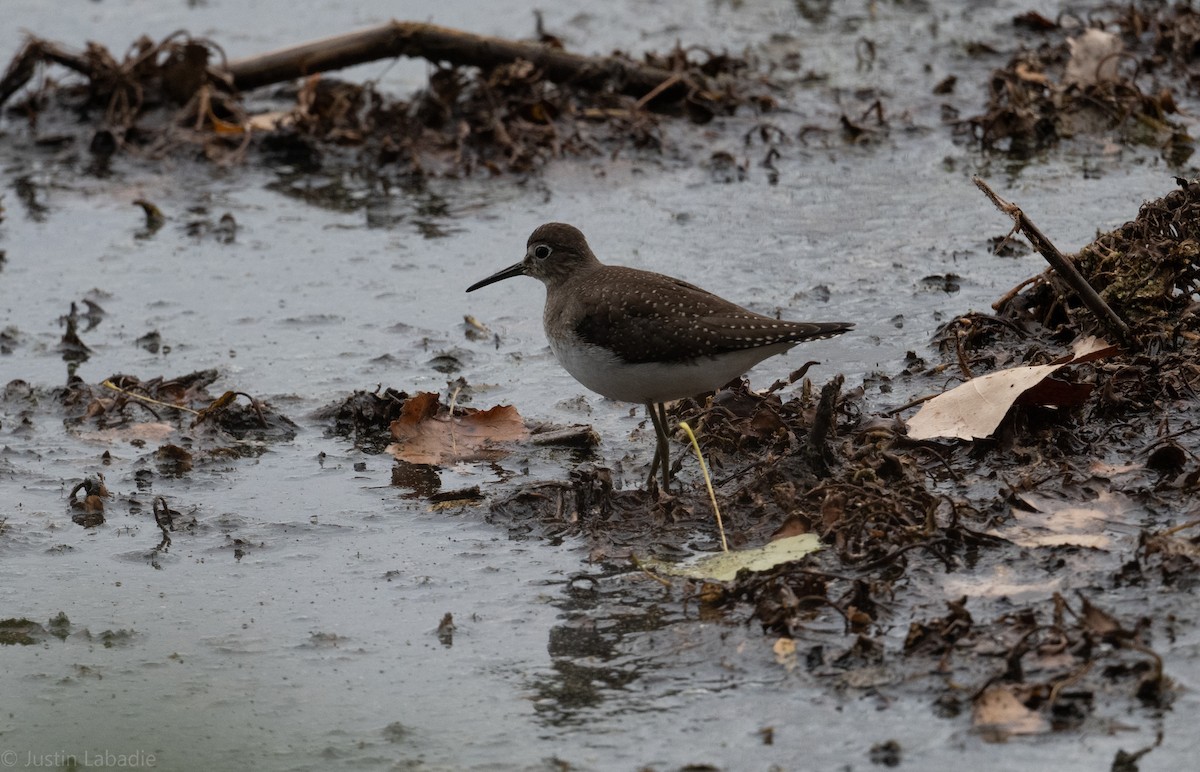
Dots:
(489, 105)
(441, 44)
(1060, 263)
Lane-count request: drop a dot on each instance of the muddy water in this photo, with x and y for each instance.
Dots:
(295, 625)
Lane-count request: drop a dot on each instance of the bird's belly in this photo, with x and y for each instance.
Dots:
(604, 373)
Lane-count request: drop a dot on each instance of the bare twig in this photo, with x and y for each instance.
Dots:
(108, 384)
(1065, 268)
(24, 65)
(1007, 297)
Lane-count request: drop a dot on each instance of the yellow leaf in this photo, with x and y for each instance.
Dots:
(724, 566)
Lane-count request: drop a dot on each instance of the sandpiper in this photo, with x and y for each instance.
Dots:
(638, 336)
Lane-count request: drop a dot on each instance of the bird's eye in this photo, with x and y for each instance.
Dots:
(541, 251)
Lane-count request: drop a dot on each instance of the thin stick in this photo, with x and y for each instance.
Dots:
(661, 87)
(453, 439)
(907, 405)
(1007, 297)
(151, 400)
(1178, 528)
(1065, 268)
(712, 496)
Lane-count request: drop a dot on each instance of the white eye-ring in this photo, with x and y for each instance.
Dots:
(542, 251)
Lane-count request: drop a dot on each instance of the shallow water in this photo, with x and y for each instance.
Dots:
(295, 626)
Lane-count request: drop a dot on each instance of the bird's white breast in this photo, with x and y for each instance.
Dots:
(604, 373)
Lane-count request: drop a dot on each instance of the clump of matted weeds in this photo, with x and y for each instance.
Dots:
(157, 97)
(509, 119)
(507, 116)
(1093, 81)
(1144, 283)
(159, 408)
(874, 502)
(808, 464)
(1147, 271)
(1044, 667)
(844, 482)
(742, 435)
(501, 119)
(365, 417)
(1127, 421)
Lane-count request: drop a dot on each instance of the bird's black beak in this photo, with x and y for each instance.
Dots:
(513, 270)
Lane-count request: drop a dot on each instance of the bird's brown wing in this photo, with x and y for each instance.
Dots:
(646, 317)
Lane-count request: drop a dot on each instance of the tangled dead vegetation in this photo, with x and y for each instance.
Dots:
(1118, 75)
(1147, 270)
(1035, 500)
(156, 98)
(126, 407)
(491, 105)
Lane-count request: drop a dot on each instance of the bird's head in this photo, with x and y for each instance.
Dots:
(554, 252)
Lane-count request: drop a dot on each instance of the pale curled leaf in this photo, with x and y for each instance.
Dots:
(786, 654)
(1095, 55)
(998, 714)
(724, 566)
(974, 409)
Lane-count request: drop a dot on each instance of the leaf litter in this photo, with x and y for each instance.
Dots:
(425, 434)
(172, 424)
(974, 409)
(1079, 80)
(891, 510)
(479, 113)
(1079, 486)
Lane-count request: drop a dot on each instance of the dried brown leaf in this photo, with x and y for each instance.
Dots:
(425, 433)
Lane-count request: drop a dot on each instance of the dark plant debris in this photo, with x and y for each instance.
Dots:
(179, 94)
(894, 515)
(1118, 76)
(19, 631)
(1147, 271)
(180, 408)
(87, 500)
(365, 417)
(892, 512)
(498, 106)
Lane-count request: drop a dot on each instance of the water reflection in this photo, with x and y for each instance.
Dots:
(596, 648)
(386, 203)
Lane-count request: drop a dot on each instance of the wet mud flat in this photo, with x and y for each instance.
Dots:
(368, 501)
